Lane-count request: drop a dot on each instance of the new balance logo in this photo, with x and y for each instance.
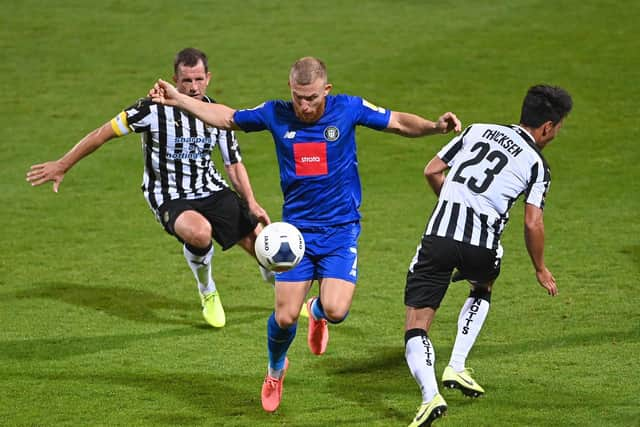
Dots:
(290, 135)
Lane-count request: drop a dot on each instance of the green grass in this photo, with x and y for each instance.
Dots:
(99, 314)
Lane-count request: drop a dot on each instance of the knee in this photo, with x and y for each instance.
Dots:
(286, 319)
(198, 235)
(481, 292)
(193, 229)
(336, 314)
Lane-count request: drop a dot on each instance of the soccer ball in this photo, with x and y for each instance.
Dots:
(279, 246)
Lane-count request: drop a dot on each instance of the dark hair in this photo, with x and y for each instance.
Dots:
(545, 103)
(190, 57)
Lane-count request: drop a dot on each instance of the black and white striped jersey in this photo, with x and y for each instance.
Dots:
(177, 151)
(490, 167)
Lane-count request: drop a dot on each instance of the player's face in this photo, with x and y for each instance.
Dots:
(309, 100)
(192, 81)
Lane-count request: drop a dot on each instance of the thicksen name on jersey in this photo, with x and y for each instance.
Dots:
(504, 140)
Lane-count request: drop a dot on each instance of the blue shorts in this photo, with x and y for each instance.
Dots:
(330, 252)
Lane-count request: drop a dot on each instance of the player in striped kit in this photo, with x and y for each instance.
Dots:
(314, 137)
(489, 167)
(182, 186)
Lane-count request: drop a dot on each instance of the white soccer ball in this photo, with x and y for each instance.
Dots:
(279, 246)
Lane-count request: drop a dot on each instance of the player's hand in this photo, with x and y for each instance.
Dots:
(448, 122)
(45, 172)
(261, 215)
(547, 281)
(164, 93)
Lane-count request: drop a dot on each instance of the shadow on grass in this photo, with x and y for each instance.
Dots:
(633, 252)
(126, 303)
(64, 347)
(207, 398)
(557, 340)
(372, 382)
(137, 305)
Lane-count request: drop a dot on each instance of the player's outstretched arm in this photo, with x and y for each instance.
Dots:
(412, 125)
(217, 115)
(55, 170)
(534, 239)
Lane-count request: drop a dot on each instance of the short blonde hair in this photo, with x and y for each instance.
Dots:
(307, 70)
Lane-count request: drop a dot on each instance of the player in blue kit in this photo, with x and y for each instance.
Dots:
(314, 136)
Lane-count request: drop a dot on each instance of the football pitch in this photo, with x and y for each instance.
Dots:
(100, 321)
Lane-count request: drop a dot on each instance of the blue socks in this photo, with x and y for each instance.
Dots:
(316, 310)
(278, 342)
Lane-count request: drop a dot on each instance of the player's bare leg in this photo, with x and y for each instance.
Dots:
(332, 306)
(336, 296)
(289, 296)
(248, 244)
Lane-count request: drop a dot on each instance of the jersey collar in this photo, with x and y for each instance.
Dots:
(524, 134)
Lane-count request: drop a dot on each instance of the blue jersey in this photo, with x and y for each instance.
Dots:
(318, 162)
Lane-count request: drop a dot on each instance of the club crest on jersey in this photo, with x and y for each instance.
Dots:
(331, 133)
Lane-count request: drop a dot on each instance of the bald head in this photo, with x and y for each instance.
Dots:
(307, 70)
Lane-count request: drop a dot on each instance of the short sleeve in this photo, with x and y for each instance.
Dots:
(370, 115)
(229, 148)
(135, 118)
(539, 183)
(452, 148)
(254, 119)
